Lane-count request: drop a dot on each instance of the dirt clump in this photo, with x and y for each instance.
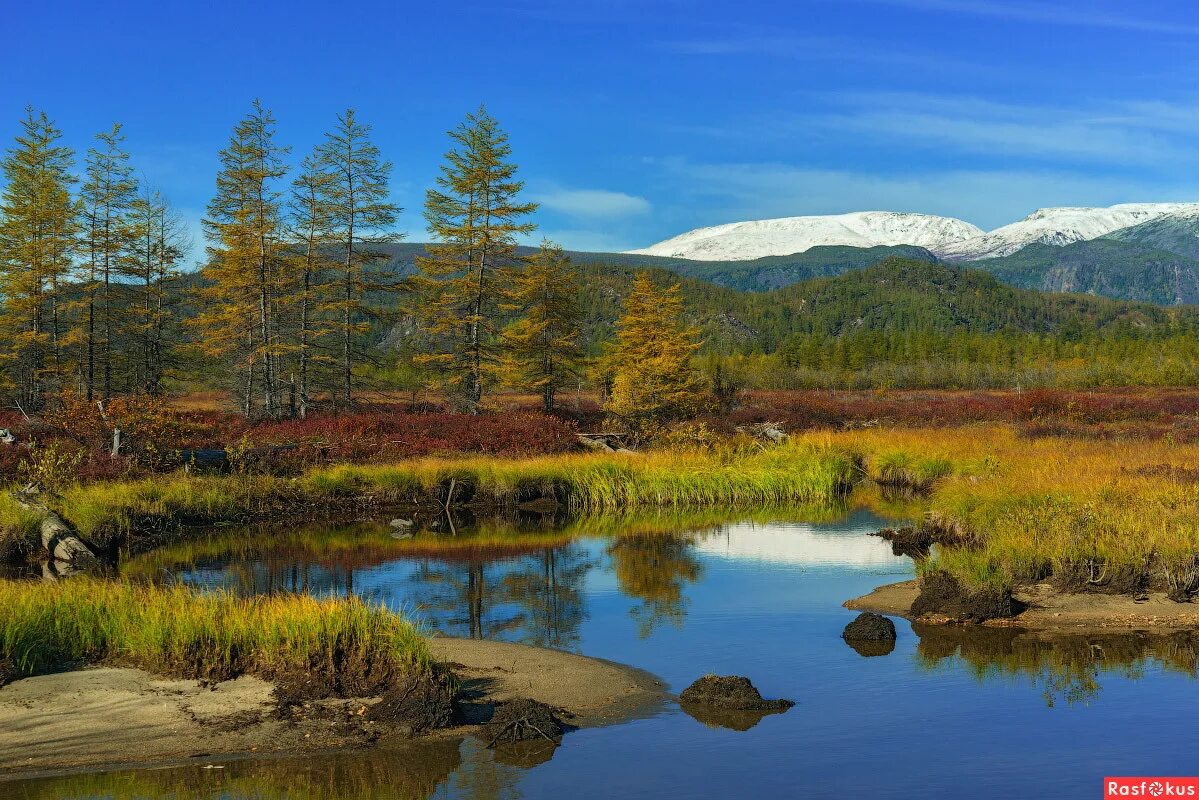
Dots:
(522, 720)
(914, 542)
(869, 627)
(417, 704)
(729, 693)
(941, 594)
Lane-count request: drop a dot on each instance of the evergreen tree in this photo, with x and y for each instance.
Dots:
(38, 226)
(107, 195)
(474, 216)
(652, 377)
(157, 243)
(312, 220)
(239, 317)
(542, 345)
(359, 216)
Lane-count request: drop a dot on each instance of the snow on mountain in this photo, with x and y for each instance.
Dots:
(739, 241)
(1061, 226)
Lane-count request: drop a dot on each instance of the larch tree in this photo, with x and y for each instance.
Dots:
(542, 352)
(158, 241)
(312, 220)
(475, 216)
(239, 317)
(360, 217)
(107, 196)
(38, 228)
(652, 376)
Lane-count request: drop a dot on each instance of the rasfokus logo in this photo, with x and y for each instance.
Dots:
(1156, 786)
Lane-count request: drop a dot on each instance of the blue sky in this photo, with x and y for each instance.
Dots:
(633, 121)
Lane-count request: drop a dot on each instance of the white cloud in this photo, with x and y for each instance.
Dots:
(593, 203)
(1118, 134)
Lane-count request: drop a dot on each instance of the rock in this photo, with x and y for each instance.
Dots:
(729, 693)
(7, 437)
(869, 627)
(521, 720)
(401, 524)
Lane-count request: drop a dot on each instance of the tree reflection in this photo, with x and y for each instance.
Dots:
(1064, 667)
(534, 599)
(655, 569)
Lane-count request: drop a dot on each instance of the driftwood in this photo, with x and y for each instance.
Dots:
(66, 550)
(604, 442)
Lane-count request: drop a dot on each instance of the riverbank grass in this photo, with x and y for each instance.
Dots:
(211, 636)
(792, 474)
(1119, 517)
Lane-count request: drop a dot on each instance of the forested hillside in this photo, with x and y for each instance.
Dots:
(1124, 269)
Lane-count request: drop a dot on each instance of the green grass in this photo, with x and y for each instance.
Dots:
(1095, 515)
(18, 526)
(908, 470)
(802, 473)
(175, 631)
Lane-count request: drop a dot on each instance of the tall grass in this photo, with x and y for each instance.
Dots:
(803, 473)
(1113, 516)
(175, 631)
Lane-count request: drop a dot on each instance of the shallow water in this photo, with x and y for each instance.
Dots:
(948, 713)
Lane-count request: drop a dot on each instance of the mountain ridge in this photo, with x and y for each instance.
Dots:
(948, 238)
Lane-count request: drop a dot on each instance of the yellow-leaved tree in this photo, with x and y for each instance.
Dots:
(652, 378)
(542, 345)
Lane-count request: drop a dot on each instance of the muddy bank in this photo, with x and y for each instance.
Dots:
(105, 717)
(1046, 608)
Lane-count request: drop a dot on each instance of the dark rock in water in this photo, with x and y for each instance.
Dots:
(870, 627)
(421, 703)
(729, 693)
(940, 593)
(523, 720)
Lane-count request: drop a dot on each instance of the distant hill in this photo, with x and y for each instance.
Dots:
(894, 296)
(1111, 267)
(1177, 234)
(900, 295)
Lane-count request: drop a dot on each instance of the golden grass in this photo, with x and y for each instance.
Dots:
(1099, 512)
(807, 473)
(173, 630)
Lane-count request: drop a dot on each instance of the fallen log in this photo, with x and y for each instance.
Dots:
(61, 542)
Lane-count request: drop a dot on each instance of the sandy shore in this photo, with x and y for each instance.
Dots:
(1051, 610)
(105, 717)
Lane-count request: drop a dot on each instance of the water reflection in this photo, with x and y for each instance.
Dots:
(681, 595)
(535, 599)
(412, 770)
(1065, 667)
(655, 570)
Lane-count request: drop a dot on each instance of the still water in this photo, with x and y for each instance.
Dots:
(947, 713)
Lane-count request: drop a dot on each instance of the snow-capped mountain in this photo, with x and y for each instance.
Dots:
(1061, 226)
(740, 241)
(948, 238)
